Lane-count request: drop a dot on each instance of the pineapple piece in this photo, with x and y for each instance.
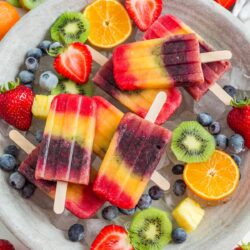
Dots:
(188, 214)
(41, 106)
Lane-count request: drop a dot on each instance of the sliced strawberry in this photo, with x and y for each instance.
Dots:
(144, 13)
(112, 237)
(74, 63)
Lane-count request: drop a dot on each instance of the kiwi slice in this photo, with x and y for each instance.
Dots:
(150, 229)
(30, 4)
(70, 27)
(15, 3)
(71, 87)
(192, 143)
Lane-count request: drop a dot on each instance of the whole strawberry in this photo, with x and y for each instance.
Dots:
(243, 247)
(5, 245)
(16, 105)
(238, 119)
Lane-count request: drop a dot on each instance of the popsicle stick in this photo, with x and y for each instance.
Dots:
(61, 187)
(97, 56)
(151, 116)
(221, 94)
(60, 197)
(21, 141)
(215, 56)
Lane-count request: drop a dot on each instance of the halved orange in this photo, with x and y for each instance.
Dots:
(110, 24)
(213, 180)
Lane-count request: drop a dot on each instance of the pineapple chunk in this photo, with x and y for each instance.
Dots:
(41, 106)
(188, 214)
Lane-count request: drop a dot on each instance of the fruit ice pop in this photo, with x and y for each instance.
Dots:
(158, 63)
(108, 118)
(138, 101)
(81, 200)
(133, 154)
(169, 25)
(68, 139)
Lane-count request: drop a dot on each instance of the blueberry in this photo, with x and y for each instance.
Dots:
(17, 180)
(26, 77)
(237, 159)
(76, 232)
(48, 80)
(236, 143)
(31, 64)
(44, 46)
(28, 190)
(127, 211)
(110, 213)
(179, 235)
(214, 128)
(35, 52)
(179, 188)
(178, 169)
(12, 150)
(230, 90)
(29, 86)
(39, 135)
(221, 141)
(155, 193)
(55, 46)
(8, 162)
(204, 119)
(144, 202)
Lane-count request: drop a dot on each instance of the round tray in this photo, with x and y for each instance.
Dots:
(223, 225)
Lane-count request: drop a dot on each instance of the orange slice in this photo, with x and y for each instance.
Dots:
(109, 23)
(213, 180)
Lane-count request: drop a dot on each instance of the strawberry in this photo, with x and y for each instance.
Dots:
(144, 13)
(112, 237)
(226, 3)
(16, 105)
(238, 119)
(74, 62)
(5, 245)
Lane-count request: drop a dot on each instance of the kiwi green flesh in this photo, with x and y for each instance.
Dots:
(70, 27)
(15, 3)
(150, 229)
(30, 4)
(192, 143)
(71, 87)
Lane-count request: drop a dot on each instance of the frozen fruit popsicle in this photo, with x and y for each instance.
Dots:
(108, 118)
(131, 159)
(81, 200)
(158, 63)
(138, 101)
(68, 139)
(168, 25)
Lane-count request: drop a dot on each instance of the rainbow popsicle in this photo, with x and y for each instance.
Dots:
(81, 200)
(169, 25)
(138, 101)
(68, 139)
(108, 118)
(158, 63)
(134, 152)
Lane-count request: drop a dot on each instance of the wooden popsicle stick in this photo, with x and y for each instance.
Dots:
(61, 187)
(151, 116)
(21, 141)
(221, 94)
(60, 197)
(215, 88)
(215, 56)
